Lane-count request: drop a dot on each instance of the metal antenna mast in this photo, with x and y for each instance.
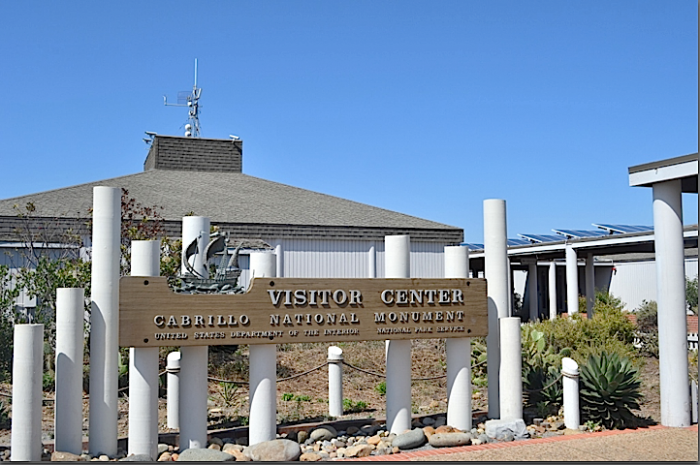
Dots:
(190, 100)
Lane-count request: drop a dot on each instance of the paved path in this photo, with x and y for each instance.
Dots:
(655, 443)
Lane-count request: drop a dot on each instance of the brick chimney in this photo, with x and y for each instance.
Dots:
(194, 154)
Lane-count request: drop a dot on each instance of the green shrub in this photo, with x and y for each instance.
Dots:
(381, 388)
(287, 396)
(693, 365)
(540, 369)
(350, 406)
(648, 328)
(691, 294)
(610, 389)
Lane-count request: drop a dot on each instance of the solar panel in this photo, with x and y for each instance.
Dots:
(539, 238)
(513, 242)
(579, 233)
(473, 245)
(624, 228)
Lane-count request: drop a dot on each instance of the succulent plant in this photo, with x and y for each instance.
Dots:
(609, 390)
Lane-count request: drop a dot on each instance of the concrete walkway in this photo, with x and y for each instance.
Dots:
(656, 443)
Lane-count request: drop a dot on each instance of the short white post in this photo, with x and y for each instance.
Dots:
(458, 352)
(511, 384)
(172, 367)
(262, 424)
(670, 291)
(571, 280)
(143, 366)
(532, 290)
(590, 285)
(27, 374)
(194, 360)
(372, 261)
(552, 290)
(397, 264)
(335, 381)
(496, 273)
(70, 342)
(104, 320)
(569, 370)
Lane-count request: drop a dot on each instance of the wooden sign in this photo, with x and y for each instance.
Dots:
(293, 310)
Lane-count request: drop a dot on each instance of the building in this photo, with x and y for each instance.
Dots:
(314, 235)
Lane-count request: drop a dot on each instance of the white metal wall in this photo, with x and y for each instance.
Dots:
(305, 258)
(634, 282)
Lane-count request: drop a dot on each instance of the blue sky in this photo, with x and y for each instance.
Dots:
(422, 107)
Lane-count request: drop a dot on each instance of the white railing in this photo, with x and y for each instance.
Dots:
(692, 341)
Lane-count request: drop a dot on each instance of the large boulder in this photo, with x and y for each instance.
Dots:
(323, 433)
(505, 429)
(59, 456)
(277, 450)
(204, 455)
(410, 439)
(450, 439)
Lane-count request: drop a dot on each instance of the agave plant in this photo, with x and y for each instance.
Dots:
(609, 390)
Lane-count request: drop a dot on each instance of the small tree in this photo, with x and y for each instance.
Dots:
(691, 294)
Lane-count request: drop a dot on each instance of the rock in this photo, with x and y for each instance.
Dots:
(292, 436)
(278, 450)
(175, 456)
(103, 458)
(341, 452)
(165, 457)
(370, 430)
(439, 421)
(352, 430)
(374, 440)
(476, 442)
(446, 429)
(309, 457)
(323, 433)
(410, 439)
(558, 425)
(163, 448)
(569, 432)
(216, 441)
(338, 443)
(476, 395)
(550, 434)
(242, 441)
(204, 455)
(395, 450)
(302, 436)
(59, 456)
(360, 450)
(240, 456)
(450, 439)
(428, 431)
(428, 421)
(214, 447)
(137, 458)
(497, 429)
(229, 448)
(483, 438)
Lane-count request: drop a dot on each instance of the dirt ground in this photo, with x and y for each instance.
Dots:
(304, 399)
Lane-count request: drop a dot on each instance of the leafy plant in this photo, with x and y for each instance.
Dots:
(228, 393)
(693, 365)
(350, 406)
(541, 369)
(381, 388)
(302, 398)
(610, 389)
(287, 396)
(648, 328)
(691, 294)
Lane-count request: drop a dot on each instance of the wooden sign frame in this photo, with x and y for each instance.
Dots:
(295, 310)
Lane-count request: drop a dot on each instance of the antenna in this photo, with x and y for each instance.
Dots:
(190, 100)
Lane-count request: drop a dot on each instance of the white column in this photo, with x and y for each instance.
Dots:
(397, 264)
(496, 273)
(262, 424)
(569, 370)
(70, 342)
(590, 285)
(571, 280)
(27, 374)
(279, 265)
(511, 384)
(552, 290)
(532, 290)
(194, 360)
(143, 366)
(372, 261)
(173, 389)
(458, 352)
(335, 381)
(670, 284)
(104, 320)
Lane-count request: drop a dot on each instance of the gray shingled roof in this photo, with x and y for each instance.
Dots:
(225, 198)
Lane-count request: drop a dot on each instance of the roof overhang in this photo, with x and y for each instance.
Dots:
(598, 246)
(684, 168)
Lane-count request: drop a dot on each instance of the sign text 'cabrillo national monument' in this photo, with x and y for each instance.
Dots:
(289, 310)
